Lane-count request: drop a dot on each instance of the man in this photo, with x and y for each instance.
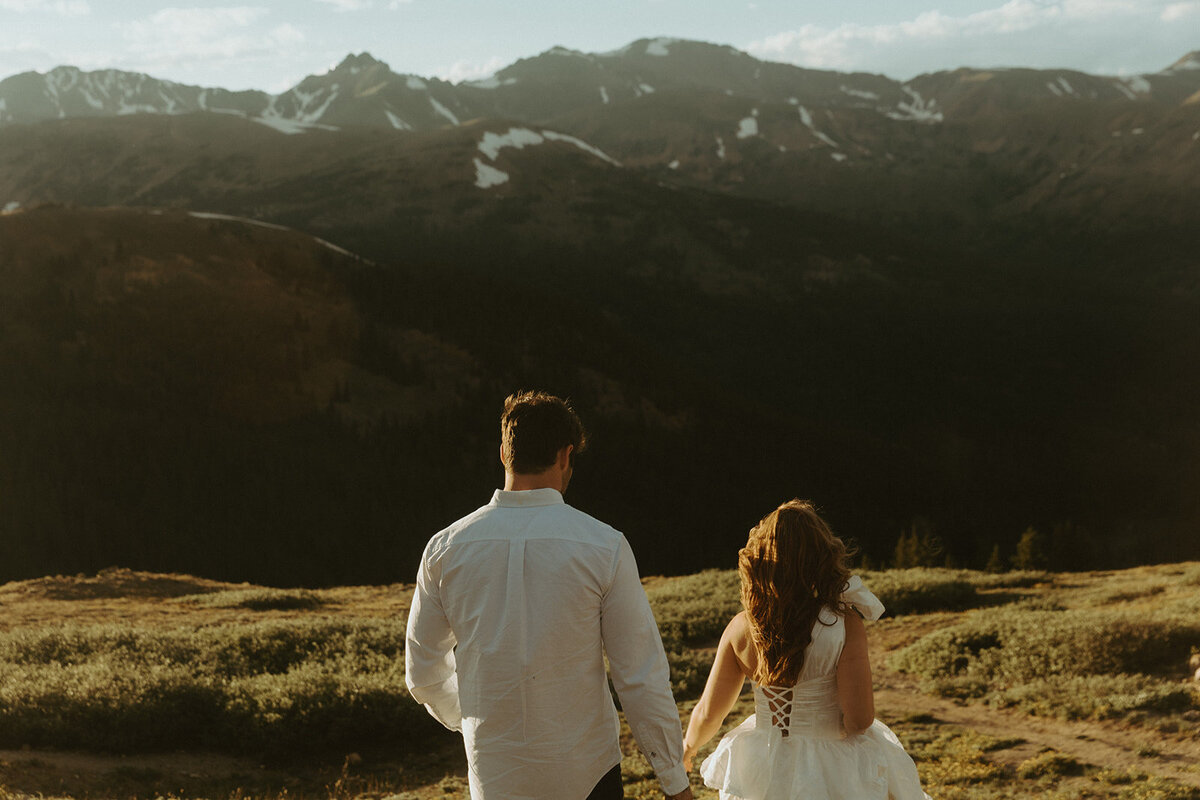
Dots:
(515, 608)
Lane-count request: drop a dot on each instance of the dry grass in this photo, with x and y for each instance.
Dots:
(132, 634)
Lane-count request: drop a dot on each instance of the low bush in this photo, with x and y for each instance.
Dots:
(1007, 647)
(1085, 664)
(1049, 763)
(260, 599)
(1095, 696)
(275, 689)
(695, 609)
(922, 590)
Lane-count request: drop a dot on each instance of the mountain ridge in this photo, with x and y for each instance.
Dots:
(380, 97)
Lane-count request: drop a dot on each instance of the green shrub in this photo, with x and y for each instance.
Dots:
(260, 599)
(921, 590)
(1007, 647)
(695, 609)
(276, 689)
(1094, 696)
(1050, 763)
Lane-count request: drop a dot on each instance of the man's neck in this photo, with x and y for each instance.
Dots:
(514, 482)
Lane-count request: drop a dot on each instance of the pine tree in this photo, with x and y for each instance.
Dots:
(995, 561)
(1031, 550)
(918, 546)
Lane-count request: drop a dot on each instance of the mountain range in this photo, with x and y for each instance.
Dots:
(364, 91)
(967, 303)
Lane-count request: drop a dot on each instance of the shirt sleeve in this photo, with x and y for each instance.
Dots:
(429, 666)
(640, 673)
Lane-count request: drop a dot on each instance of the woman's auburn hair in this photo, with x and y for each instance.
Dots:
(791, 567)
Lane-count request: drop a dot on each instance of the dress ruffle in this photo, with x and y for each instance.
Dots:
(859, 596)
(762, 764)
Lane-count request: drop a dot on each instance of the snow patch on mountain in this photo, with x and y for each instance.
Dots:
(445, 112)
(487, 176)
(231, 218)
(127, 108)
(806, 118)
(491, 83)
(604, 95)
(397, 123)
(519, 138)
(918, 109)
(747, 127)
(838, 157)
(660, 46)
(1192, 61)
(291, 127)
(261, 224)
(415, 83)
(1136, 84)
(646, 88)
(582, 145)
(11, 207)
(310, 106)
(864, 95)
(720, 148)
(674, 164)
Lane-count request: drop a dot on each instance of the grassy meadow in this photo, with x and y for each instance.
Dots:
(1020, 684)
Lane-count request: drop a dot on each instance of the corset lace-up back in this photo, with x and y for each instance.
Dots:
(809, 708)
(779, 707)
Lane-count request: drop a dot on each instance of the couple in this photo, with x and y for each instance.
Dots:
(518, 604)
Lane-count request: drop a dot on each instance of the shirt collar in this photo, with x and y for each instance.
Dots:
(530, 497)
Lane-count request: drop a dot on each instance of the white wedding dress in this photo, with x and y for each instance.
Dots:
(793, 747)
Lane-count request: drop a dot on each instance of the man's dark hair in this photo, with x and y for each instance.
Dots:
(534, 427)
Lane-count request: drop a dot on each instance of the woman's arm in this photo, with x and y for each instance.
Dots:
(721, 691)
(855, 695)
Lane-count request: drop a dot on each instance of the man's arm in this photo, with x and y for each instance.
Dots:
(641, 676)
(429, 666)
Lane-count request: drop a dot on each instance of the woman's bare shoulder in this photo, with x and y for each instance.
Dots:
(739, 637)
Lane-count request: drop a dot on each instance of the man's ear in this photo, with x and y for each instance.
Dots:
(502, 453)
(564, 456)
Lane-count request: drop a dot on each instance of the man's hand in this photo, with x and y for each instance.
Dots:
(686, 794)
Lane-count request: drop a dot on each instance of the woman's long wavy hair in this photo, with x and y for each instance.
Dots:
(791, 567)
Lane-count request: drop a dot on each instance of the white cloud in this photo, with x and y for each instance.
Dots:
(1178, 11)
(186, 26)
(348, 5)
(1018, 32)
(66, 8)
(461, 71)
(287, 33)
(174, 37)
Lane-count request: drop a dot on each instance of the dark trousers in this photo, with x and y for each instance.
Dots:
(609, 787)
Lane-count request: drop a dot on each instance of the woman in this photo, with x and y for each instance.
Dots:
(813, 733)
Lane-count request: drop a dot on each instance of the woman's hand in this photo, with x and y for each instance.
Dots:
(689, 755)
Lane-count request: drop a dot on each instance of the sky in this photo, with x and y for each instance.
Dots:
(273, 44)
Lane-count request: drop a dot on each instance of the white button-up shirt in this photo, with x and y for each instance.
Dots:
(515, 607)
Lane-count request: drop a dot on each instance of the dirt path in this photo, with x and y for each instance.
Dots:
(1095, 743)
